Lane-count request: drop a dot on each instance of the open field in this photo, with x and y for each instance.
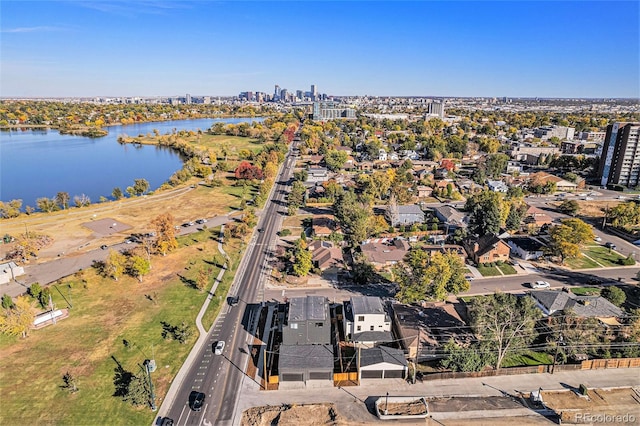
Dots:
(110, 323)
(594, 257)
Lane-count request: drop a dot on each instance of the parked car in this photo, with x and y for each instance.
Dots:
(598, 239)
(104, 247)
(469, 277)
(540, 284)
(610, 245)
(167, 422)
(201, 221)
(219, 347)
(196, 400)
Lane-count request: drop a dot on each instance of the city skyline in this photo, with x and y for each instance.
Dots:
(470, 49)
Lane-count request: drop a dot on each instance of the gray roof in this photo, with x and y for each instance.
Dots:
(451, 215)
(382, 354)
(583, 306)
(410, 209)
(526, 243)
(308, 308)
(305, 357)
(366, 305)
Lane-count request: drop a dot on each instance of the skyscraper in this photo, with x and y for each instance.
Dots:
(276, 92)
(314, 92)
(187, 99)
(620, 160)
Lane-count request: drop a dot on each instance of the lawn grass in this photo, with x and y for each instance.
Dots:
(585, 291)
(111, 323)
(489, 271)
(601, 255)
(581, 262)
(527, 358)
(507, 269)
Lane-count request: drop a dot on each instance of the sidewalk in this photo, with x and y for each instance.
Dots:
(351, 400)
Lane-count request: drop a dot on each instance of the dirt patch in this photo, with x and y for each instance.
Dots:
(106, 226)
(309, 415)
(403, 408)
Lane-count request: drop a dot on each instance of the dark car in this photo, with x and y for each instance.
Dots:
(196, 400)
(260, 230)
(610, 245)
(104, 247)
(233, 300)
(167, 422)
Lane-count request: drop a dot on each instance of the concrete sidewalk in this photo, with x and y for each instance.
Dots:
(351, 400)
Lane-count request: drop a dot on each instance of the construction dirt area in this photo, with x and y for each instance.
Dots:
(567, 405)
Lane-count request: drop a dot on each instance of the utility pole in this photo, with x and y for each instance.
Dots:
(149, 368)
(555, 355)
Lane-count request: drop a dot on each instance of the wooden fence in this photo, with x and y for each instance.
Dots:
(595, 364)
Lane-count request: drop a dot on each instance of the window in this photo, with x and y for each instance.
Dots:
(293, 325)
(371, 328)
(361, 318)
(319, 324)
(359, 328)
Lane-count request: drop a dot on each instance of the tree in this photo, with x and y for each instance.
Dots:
(10, 209)
(202, 278)
(247, 171)
(18, 319)
(140, 186)
(503, 322)
(138, 391)
(115, 264)
(459, 358)
(138, 266)
(62, 198)
(302, 263)
(485, 212)
(82, 200)
(165, 233)
(70, 382)
(47, 205)
(7, 302)
(614, 295)
(296, 197)
(571, 177)
(423, 276)
(335, 159)
(565, 239)
(514, 219)
(117, 193)
(569, 207)
(495, 164)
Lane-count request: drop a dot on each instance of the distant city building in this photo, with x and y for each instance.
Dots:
(276, 92)
(560, 132)
(435, 109)
(330, 111)
(620, 160)
(187, 99)
(314, 92)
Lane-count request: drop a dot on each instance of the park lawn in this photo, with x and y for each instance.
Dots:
(90, 343)
(233, 144)
(507, 269)
(527, 358)
(585, 291)
(488, 271)
(601, 255)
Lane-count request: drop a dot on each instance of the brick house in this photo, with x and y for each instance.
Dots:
(486, 249)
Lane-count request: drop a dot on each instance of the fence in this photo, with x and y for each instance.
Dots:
(594, 364)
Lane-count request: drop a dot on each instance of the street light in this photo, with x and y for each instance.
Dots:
(150, 366)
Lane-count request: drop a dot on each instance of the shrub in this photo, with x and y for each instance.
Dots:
(614, 295)
(285, 232)
(627, 261)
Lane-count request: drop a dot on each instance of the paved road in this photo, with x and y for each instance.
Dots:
(220, 377)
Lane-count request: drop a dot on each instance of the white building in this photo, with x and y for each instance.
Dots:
(365, 321)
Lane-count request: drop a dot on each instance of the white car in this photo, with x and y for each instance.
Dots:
(540, 284)
(219, 347)
(598, 239)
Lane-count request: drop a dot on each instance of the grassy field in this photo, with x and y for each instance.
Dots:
(527, 358)
(111, 323)
(581, 262)
(598, 257)
(507, 269)
(585, 291)
(488, 271)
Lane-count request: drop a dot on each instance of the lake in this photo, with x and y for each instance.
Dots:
(41, 163)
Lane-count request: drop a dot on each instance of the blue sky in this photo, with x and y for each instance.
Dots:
(430, 48)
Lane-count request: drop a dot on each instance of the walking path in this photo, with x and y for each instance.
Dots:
(202, 339)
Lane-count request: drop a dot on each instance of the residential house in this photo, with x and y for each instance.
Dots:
(365, 166)
(324, 225)
(305, 365)
(422, 331)
(384, 251)
(424, 191)
(487, 248)
(382, 362)
(366, 323)
(526, 248)
(325, 255)
(442, 248)
(393, 156)
(451, 217)
(497, 186)
(317, 174)
(552, 302)
(536, 217)
(307, 322)
(314, 160)
(9, 271)
(404, 215)
(513, 167)
(382, 154)
(561, 184)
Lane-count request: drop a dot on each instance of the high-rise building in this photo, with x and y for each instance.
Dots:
(620, 159)
(187, 99)
(314, 92)
(330, 110)
(276, 92)
(435, 109)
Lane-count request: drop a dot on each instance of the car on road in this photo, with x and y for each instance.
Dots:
(201, 221)
(260, 229)
(598, 239)
(469, 277)
(167, 422)
(104, 247)
(233, 300)
(540, 284)
(219, 347)
(610, 245)
(128, 240)
(196, 400)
